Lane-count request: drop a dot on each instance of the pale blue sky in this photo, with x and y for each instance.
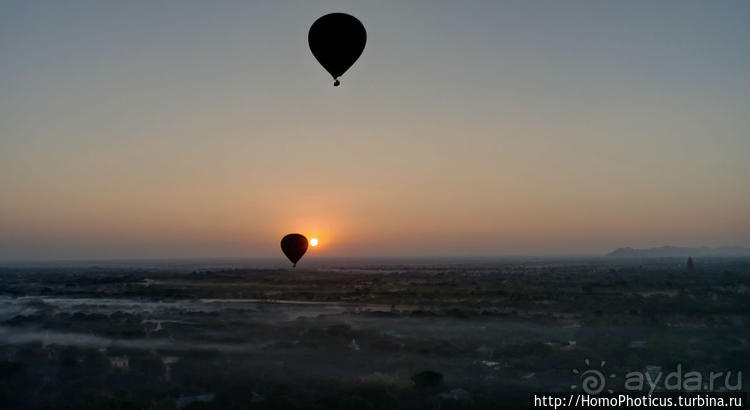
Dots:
(190, 129)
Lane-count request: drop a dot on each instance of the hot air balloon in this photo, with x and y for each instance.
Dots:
(294, 246)
(337, 40)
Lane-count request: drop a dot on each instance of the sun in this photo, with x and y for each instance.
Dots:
(314, 242)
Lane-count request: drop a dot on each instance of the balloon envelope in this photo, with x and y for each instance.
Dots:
(294, 246)
(337, 40)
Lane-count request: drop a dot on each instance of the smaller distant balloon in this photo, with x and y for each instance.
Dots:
(294, 247)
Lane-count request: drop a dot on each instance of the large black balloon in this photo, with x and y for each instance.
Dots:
(337, 40)
(294, 246)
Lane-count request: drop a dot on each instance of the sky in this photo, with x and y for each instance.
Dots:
(186, 129)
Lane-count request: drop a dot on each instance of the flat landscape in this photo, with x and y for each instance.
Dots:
(470, 334)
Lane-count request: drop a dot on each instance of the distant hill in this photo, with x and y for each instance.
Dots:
(681, 252)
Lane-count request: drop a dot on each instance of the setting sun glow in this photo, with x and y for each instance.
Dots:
(314, 242)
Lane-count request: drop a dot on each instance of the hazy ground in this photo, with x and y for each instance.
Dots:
(354, 334)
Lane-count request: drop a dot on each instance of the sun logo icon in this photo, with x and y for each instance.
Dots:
(592, 380)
